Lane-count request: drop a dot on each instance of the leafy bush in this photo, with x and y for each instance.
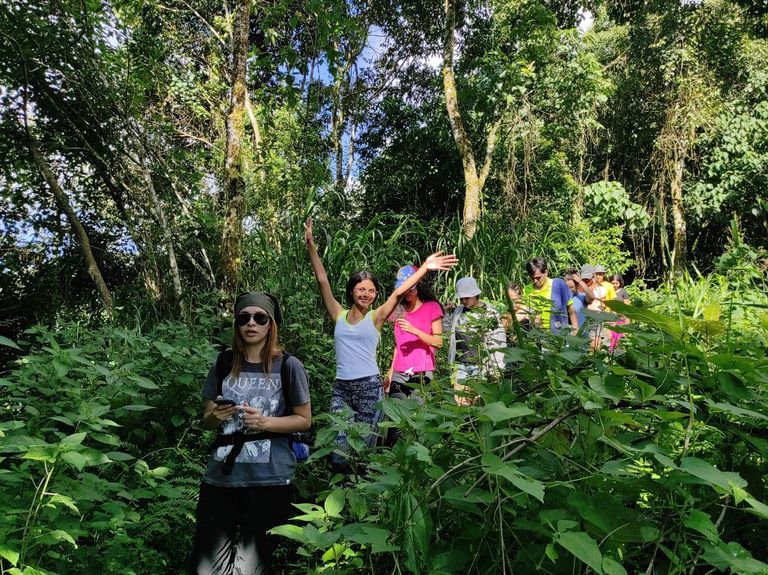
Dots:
(101, 455)
(649, 460)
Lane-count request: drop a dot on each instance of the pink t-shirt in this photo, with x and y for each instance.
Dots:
(411, 352)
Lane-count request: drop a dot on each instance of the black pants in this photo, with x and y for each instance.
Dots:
(231, 530)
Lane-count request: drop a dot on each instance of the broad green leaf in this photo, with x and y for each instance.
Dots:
(711, 474)
(733, 386)
(728, 408)
(334, 503)
(160, 472)
(700, 521)
(72, 440)
(290, 531)
(648, 317)
(583, 547)
(41, 453)
(138, 407)
(758, 507)
(8, 343)
(497, 411)
(75, 458)
(143, 382)
(613, 567)
(494, 465)
(10, 555)
(367, 534)
(61, 535)
(119, 456)
(64, 500)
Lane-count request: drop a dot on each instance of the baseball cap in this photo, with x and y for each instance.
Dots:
(403, 274)
(586, 272)
(599, 269)
(467, 287)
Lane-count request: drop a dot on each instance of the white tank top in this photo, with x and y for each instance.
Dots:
(356, 347)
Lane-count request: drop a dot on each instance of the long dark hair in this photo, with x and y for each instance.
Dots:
(425, 293)
(271, 350)
(619, 278)
(356, 278)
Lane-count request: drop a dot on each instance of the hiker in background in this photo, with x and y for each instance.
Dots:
(551, 299)
(617, 280)
(256, 396)
(577, 282)
(621, 294)
(475, 330)
(599, 279)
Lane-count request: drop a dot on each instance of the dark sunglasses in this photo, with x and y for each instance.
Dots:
(259, 317)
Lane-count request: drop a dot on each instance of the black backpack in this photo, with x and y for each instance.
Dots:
(237, 439)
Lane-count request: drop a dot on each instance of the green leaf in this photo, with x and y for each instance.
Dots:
(728, 408)
(497, 411)
(75, 459)
(613, 567)
(710, 474)
(138, 407)
(494, 465)
(143, 382)
(10, 555)
(58, 535)
(8, 343)
(119, 456)
(64, 500)
(72, 440)
(334, 503)
(583, 547)
(366, 534)
(293, 532)
(700, 521)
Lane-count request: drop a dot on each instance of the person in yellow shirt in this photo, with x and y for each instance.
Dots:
(599, 278)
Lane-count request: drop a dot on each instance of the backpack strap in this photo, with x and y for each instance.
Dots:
(238, 439)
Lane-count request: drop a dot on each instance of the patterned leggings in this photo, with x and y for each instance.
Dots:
(361, 395)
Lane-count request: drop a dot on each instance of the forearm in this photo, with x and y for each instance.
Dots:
(589, 295)
(433, 340)
(317, 264)
(287, 424)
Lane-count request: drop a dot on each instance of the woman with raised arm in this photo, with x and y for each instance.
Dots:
(356, 336)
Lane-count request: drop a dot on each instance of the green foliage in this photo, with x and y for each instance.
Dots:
(608, 204)
(574, 461)
(100, 450)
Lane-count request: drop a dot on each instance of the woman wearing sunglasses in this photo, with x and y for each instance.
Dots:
(356, 337)
(256, 402)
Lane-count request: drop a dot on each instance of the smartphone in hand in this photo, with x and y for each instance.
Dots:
(224, 402)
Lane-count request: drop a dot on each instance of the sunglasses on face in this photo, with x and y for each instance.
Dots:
(259, 317)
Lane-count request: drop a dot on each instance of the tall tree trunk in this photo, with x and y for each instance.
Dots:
(165, 229)
(234, 182)
(77, 228)
(680, 236)
(473, 181)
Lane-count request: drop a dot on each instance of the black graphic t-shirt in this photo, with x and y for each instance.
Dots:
(266, 461)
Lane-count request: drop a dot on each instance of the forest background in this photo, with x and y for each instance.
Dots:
(160, 157)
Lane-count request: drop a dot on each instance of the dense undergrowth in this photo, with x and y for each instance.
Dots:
(652, 459)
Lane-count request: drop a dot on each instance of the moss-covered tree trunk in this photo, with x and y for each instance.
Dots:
(233, 199)
(473, 181)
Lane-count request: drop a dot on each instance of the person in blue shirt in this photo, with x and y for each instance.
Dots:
(550, 298)
(577, 282)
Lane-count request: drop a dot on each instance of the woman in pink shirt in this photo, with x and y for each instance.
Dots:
(418, 332)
